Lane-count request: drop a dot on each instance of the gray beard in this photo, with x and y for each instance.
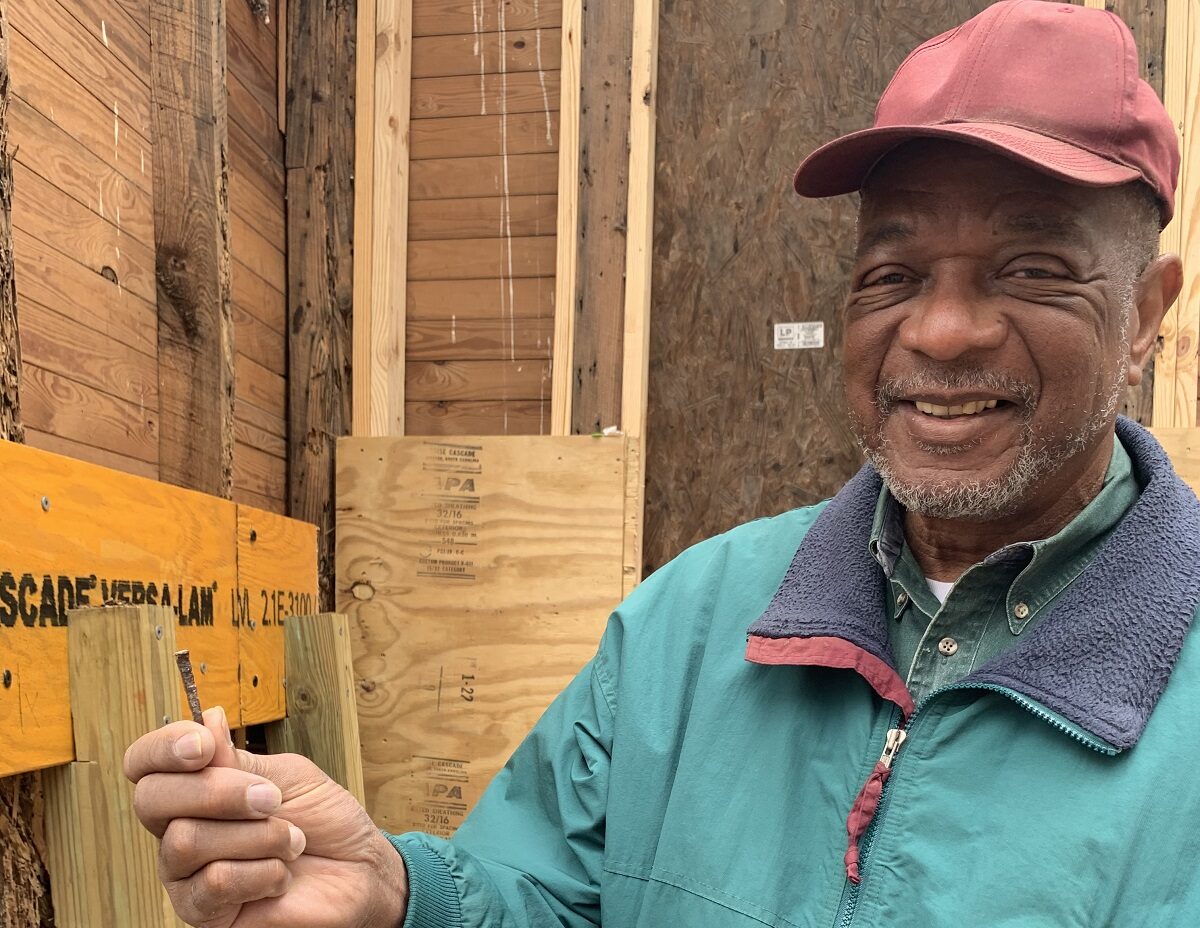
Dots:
(981, 500)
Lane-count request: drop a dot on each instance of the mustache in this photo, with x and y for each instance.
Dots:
(890, 391)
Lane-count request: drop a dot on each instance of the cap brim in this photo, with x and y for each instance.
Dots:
(842, 166)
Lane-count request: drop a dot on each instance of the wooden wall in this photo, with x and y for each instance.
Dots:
(83, 237)
(482, 216)
(736, 428)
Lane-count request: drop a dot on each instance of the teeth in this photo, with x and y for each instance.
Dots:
(965, 409)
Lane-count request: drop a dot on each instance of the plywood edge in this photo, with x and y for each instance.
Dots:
(568, 218)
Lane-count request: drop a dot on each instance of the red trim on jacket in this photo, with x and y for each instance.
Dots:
(832, 652)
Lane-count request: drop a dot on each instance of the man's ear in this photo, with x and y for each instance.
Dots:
(1155, 292)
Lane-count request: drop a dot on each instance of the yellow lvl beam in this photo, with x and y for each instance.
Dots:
(638, 266)
(568, 212)
(1176, 368)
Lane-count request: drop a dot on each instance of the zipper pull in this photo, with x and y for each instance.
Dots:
(866, 804)
(891, 747)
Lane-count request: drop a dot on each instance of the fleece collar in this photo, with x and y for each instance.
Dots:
(1101, 657)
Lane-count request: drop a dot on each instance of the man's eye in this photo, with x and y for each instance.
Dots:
(894, 277)
(1033, 273)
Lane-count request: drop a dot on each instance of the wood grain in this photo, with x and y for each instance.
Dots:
(567, 220)
(249, 247)
(321, 259)
(257, 341)
(453, 178)
(447, 299)
(66, 347)
(255, 296)
(490, 338)
(477, 136)
(474, 258)
(65, 40)
(260, 386)
(258, 122)
(123, 684)
(261, 473)
(56, 444)
(430, 381)
(49, 151)
(64, 406)
(459, 647)
(46, 87)
(460, 17)
(367, 387)
(261, 211)
(191, 232)
(48, 276)
(479, 417)
(247, 432)
(322, 718)
(480, 53)
(117, 30)
(479, 95)
(480, 217)
(45, 212)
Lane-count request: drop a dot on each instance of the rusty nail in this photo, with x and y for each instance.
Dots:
(7, 678)
(45, 504)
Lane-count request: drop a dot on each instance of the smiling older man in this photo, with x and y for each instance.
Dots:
(971, 689)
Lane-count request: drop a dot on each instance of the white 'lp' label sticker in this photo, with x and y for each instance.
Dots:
(799, 335)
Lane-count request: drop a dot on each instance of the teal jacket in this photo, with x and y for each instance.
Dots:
(695, 775)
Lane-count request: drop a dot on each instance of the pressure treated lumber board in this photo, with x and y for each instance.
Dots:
(99, 536)
(477, 574)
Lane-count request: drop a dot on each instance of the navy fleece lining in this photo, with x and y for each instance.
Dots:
(1102, 656)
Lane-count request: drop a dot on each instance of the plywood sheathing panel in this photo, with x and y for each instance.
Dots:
(477, 574)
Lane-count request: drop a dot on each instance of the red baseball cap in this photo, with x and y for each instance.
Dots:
(1050, 85)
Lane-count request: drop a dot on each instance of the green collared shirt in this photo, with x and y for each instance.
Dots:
(995, 601)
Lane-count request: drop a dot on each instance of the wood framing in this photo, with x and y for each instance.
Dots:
(123, 683)
(319, 160)
(478, 574)
(1176, 367)
(602, 215)
(321, 722)
(191, 238)
(10, 345)
(562, 389)
(635, 367)
(381, 217)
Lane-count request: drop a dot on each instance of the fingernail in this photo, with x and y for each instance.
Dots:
(297, 840)
(263, 797)
(189, 747)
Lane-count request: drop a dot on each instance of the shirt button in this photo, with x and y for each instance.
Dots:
(1021, 611)
(901, 600)
(948, 646)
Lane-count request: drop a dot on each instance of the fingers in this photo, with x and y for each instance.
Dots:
(180, 746)
(222, 793)
(225, 755)
(189, 845)
(224, 885)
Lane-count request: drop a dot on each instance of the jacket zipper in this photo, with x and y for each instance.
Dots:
(896, 737)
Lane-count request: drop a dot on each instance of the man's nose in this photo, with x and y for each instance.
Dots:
(952, 317)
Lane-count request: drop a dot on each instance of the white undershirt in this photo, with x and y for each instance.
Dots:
(939, 588)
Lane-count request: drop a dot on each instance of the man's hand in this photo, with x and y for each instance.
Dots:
(257, 842)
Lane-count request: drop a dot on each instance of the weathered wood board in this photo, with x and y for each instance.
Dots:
(478, 574)
(81, 535)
